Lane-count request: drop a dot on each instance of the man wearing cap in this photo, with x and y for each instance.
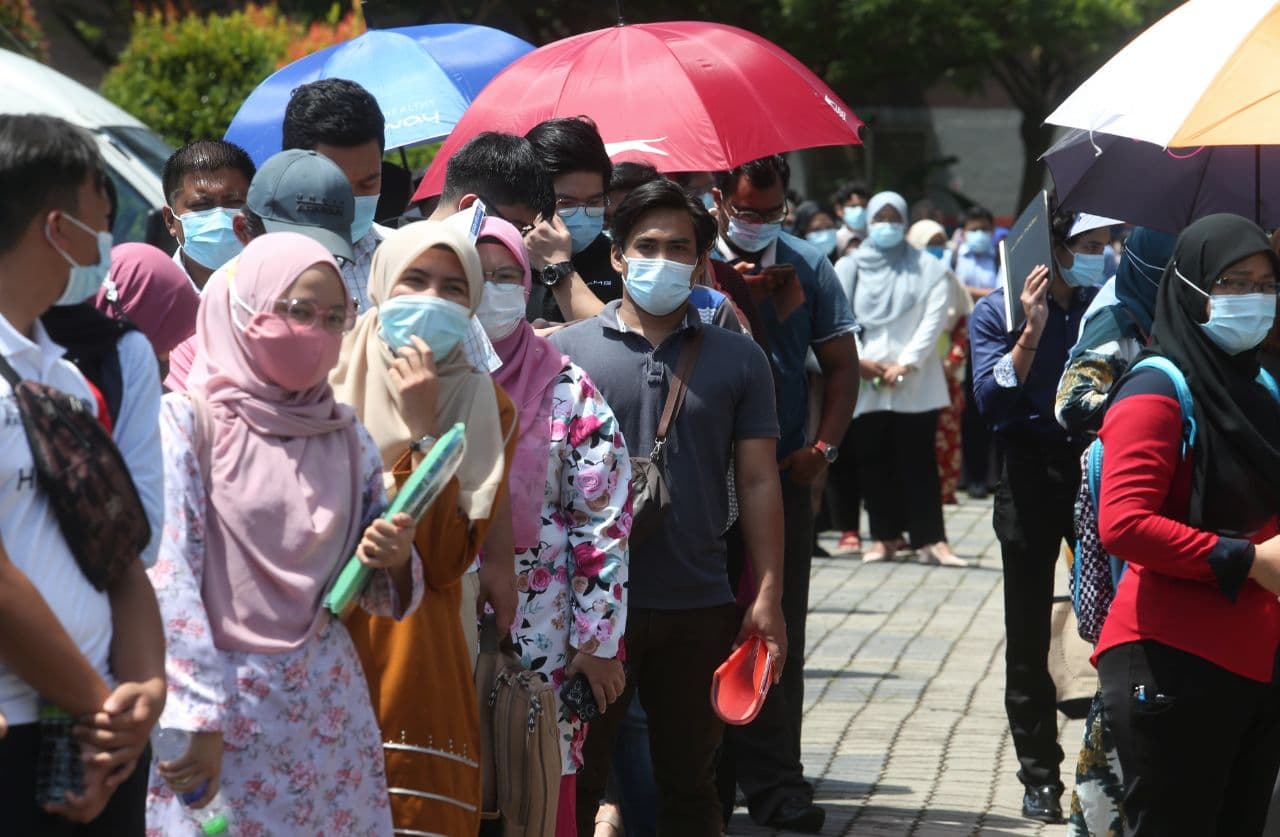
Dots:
(1015, 383)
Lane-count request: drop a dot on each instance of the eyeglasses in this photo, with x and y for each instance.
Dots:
(339, 319)
(565, 207)
(1234, 286)
(751, 216)
(508, 275)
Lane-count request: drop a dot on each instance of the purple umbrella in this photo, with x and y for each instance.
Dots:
(1164, 188)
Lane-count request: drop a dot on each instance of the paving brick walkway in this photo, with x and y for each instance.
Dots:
(905, 731)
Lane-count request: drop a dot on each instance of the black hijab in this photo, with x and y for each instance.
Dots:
(1236, 482)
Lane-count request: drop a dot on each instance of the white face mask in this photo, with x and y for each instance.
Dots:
(502, 308)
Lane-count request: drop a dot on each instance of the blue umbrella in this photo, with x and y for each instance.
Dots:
(423, 77)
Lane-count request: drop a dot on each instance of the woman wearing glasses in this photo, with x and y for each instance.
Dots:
(1187, 655)
(405, 371)
(270, 485)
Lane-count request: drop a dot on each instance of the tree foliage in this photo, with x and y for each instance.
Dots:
(20, 30)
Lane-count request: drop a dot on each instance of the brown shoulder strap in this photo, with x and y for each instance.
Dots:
(679, 386)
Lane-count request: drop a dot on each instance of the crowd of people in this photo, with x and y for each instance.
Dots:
(828, 355)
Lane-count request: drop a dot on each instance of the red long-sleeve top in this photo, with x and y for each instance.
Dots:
(1184, 587)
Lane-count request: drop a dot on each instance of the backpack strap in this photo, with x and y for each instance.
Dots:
(1184, 396)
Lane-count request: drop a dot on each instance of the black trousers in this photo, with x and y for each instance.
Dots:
(124, 816)
(843, 497)
(1034, 509)
(898, 473)
(975, 436)
(1199, 750)
(672, 654)
(763, 758)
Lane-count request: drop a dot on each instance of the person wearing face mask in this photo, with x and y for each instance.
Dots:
(1115, 330)
(573, 276)
(899, 295)
(260, 673)
(1187, 654)
(953, 348)
(1015, 382)
(975, 259)
(802, 309)
(406, 374)
(206, 183)
(851, 203)
(816, 223)
(681, 619)
(94, 654)
(569, 518)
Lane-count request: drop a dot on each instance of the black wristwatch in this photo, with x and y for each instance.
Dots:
(553, 273)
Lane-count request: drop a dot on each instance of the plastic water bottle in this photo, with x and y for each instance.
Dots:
(215, 818)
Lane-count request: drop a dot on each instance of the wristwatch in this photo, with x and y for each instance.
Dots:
(829, 452)
(553, 273)
(422, 445)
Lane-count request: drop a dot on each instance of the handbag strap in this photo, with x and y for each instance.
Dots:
(679, 386)
(9, 373)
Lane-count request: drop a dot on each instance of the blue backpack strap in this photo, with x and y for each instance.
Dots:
(1264, 378)
(1184, 396)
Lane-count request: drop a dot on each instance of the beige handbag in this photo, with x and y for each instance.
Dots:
(519, 742)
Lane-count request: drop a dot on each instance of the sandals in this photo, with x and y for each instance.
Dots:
(849, 544)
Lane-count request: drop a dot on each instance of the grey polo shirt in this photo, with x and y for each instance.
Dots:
(730, 397)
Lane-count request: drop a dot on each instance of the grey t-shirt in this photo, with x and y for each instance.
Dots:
(730, 398)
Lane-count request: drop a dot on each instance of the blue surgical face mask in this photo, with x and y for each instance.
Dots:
(583, 228)
(1085, 271)
(855, 217)
(366, 207)
(751, 238)
(1237, 322)
(208, 237)
(440, 323)
(85, 279)
(886, 235)
(938, 251)
(658, 286)
(979, 241)
(824, 240)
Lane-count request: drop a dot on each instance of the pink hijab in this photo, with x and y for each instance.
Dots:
(530, 367)
(151, 291)
(285, 475)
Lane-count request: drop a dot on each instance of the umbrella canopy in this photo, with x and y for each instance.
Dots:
(681, 96)
(1165, 189)
(1205, 74)
(423, 77)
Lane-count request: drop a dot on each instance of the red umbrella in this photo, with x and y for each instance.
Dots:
(681, 96)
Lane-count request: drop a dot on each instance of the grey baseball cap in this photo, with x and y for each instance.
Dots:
(305, 192)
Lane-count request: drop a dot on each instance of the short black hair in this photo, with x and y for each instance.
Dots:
(630, 175)
(662, 194)
(848, 190)
(979, 213)
(44, 161)
(332, 111)
(207, 155)
(253, 223)
(571, 145)
(762, 174)
(503, 169)
(1060, 227)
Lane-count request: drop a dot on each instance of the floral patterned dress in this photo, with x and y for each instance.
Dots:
(573, 583)
(302, 753)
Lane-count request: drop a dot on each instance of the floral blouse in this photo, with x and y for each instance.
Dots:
(573, 583)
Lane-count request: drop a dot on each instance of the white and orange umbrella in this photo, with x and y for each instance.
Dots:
(1208, 73)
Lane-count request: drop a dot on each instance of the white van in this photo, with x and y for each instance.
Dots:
(133, 153)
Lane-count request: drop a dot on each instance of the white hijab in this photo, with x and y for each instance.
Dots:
(885, 284)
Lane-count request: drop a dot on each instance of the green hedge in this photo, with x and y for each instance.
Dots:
(186, 76)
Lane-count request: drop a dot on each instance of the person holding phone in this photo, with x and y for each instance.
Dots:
(1015, 382)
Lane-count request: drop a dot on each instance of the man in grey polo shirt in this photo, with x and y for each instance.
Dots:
(682, 621)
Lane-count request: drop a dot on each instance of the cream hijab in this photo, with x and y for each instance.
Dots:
(362, 379)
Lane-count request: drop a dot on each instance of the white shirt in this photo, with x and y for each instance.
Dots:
(137, 430)
(909, 340)
(32, 537)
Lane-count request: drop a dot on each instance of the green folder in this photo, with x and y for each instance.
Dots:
(414, 498)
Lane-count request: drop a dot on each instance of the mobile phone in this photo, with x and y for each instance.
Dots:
(576, 694)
